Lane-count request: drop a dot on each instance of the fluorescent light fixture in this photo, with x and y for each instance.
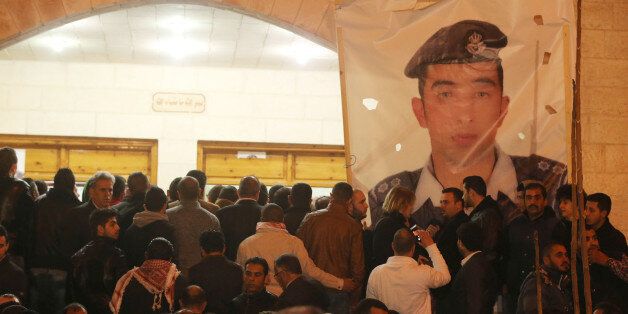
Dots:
(58, 43)
(177, 24)
(179, 47)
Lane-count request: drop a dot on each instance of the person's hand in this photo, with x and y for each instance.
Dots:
(426, 238)
(348, 285)
(597, 257)
(432, 229)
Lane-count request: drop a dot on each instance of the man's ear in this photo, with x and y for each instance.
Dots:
(419, 111)
(100, 230)
(503, 110)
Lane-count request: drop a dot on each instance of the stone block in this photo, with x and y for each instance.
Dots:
(604, 72)
(270, 82)
(14, 122)
(43, 73)
(620, 11)
(610, 101)
(222, 80)
(128, 125)
(597, 15)
(609, 183)
(177, 151)
(58, 99)
(91, 75)
(247, 129)
(140, 77)
(593, 158)
(324, 107)
(279, 106)
(61, 123)
(608, 130)
(593, 43)
(294, 131)
(230, 104)
(616, 157)
(333, 133)
(323, 83)
(24, 97)
(615, 44)
(10, 72)
(178, 80)
(619, 214)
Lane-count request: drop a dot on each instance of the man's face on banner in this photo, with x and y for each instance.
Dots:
(462, 107)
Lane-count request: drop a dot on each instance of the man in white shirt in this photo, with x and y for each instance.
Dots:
(402, 283)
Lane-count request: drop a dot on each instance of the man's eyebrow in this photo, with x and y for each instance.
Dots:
(442, 83)
(485, 80)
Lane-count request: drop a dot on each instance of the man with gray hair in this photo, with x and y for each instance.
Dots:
(100, 195)
(239, 220)
(190, 220)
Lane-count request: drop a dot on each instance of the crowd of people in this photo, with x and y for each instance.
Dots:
(128, 247)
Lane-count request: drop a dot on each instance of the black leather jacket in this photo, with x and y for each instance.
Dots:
(16, 214)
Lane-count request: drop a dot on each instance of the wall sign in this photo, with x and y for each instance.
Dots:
(177, 102)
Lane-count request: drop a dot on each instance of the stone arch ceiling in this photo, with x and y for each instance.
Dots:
(21, 19)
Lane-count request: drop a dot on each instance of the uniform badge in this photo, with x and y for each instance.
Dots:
(543, 165)
(475, 45)
(558, 169)
(395, 182)
(382, 187)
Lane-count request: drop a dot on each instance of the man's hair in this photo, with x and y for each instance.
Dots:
(8, 158)
(74, 307)
(138, 183)
(403, 241)
(118, 186)
(42, 187)
(212, 241)
(547, 249)
(271, 192)
(521, 187)
(564, 192)
(258, 261)
(262, 199)
(282, 197)
(342, 192)
(229, 192)
(301, 194)
(99, 217)
(475, 183)
(188, 188)
(365, 306)
(321, 202)
(249, 186)
(603, 201)
(272, 213)
(290, 263)
(423, 75)
(470, 234)
(64, 179)
(213, 193)
(160, 248)
(173, 188)
(3, 232)
(102, 175)
(397, 199)
(199, 176)
(537, 186)
(193, 296)
(456, 192)
(155, 199)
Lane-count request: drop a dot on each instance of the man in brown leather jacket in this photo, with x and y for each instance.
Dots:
(333, 240)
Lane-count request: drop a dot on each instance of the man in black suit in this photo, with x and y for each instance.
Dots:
(239, 220)
(475, 287)
(446, 239)
(485, 213)
(300, 199)
(133, 202)
(297, 289)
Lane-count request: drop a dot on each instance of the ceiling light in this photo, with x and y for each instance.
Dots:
(177, 24)
(179, 47)
(58, 43)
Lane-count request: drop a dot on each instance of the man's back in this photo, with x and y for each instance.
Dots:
(238, 222)
(127, 210)
(303, 292)
(221, 280)
(474, 289)
(189, 221)
(137, 238)
(612, 241)
(16, 211)
(334, 241)
(293, 218)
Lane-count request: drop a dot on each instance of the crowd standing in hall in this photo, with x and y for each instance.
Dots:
(158, 252)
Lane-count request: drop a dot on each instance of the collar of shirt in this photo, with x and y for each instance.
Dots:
(503, 179)
(466, 259)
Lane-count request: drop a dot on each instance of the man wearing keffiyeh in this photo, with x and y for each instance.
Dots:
(153, 287)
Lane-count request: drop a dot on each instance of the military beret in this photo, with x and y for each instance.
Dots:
(463, 42)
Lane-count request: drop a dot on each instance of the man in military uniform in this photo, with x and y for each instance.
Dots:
(462, 106)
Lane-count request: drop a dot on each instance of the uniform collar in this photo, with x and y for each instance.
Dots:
(503, 179)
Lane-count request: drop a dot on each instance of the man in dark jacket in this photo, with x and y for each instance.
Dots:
(137, 185)
(485, 213)
(220, 278)
(147, 225)
(98, 265)
(475, 287)
(239, 220)
(612, 241)
(300, 199)
(12, 278)
(51, 252)
(100, 193)
(16, 206)
(255, 298)
(297, 289)
(519, 259)
(555, 290)
(154, 287)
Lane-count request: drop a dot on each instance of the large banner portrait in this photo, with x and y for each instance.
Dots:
(459, 88)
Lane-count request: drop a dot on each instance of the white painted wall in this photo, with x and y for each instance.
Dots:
(115, 100)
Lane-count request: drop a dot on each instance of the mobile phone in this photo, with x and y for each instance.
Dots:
(415, 228)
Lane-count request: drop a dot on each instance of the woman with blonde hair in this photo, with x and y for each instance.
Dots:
(397, 207)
